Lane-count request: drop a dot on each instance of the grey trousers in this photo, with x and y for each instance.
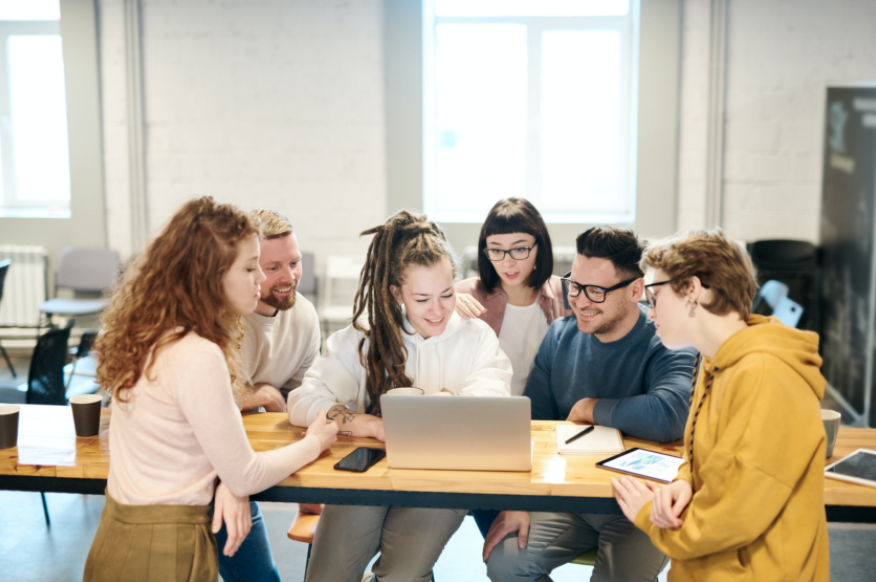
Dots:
(409, 539)
(625, 552)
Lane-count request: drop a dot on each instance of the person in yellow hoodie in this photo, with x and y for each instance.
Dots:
(747, 503)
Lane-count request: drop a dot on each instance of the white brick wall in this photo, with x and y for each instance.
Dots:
(781, 56)
(279, 103)
(275, 104)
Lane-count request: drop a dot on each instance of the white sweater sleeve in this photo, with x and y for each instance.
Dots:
(335, 378)
(491, 373)
(202, 387)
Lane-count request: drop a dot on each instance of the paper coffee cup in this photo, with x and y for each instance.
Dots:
(86, 414)
(831, 420)
(406, 391)
(9, 426)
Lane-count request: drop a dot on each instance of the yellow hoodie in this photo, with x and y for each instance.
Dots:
(757, 511)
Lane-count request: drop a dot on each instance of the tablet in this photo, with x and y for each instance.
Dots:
(859, 467)
(643, 463)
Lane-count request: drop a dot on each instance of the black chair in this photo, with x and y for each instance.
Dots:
(4, 268)
(45, 381)
(794, 263)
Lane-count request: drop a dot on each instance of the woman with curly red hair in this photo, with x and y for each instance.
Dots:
(170, 356)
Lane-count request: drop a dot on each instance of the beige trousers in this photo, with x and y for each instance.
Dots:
(409, 539)
(625, 552)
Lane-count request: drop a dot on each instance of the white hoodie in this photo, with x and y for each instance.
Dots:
(465, 358)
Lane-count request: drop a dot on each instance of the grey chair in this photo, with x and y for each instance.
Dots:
(4, 268)
(307, 283)
(83, 270)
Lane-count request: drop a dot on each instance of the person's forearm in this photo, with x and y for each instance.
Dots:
(353, 423)
(251, 398)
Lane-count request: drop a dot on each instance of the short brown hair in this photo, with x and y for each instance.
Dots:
(274, 224)
(507, 217)
(721, 264)
(620, 246)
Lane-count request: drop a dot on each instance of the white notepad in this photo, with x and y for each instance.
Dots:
(602, 440)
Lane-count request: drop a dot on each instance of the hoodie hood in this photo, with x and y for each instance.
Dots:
(797, 348)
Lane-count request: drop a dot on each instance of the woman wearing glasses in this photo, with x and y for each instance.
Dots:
(747, 503)
(514, 292)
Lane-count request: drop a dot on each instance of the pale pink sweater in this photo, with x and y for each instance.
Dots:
(182, 429)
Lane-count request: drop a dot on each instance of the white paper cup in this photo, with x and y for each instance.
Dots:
(406, 391)
(831, 420)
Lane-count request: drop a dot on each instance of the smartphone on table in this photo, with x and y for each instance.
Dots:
(360, 459)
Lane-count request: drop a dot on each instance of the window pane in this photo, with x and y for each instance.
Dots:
(531, 7)
(581, 123)
(39, 117)
(30, 10)
(481, 114)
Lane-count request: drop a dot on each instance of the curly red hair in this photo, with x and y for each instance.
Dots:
(175, 286)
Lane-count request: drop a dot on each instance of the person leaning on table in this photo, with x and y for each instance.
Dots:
(748, 502)
(403, 314)
(170, 356)
(280, 343)
(602, 365)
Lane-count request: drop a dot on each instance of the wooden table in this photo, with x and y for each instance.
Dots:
(51, 458)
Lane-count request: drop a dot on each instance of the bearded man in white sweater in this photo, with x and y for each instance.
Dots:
(280, 343)
(282, 335)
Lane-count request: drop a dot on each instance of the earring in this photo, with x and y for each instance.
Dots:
(693, 307)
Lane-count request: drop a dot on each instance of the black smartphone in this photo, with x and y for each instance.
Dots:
(360, 459)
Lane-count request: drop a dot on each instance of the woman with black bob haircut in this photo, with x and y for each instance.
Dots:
(514, 292)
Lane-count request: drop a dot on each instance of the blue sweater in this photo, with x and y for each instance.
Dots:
(643, 388)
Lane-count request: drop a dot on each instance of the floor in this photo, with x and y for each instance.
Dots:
(60, 550)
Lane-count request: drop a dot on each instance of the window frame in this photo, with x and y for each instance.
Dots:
(627, 25)
(9, 199)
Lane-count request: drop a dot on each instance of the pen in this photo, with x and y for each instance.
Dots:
(580, 434)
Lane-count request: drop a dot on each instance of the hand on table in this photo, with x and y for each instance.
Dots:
(235, 512)
(632, 494)
(505, 523)
(669, 502)
(323, 429)
(468, 307)
(264, 395)
(583, 411)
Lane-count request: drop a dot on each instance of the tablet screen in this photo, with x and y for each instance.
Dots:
(859, 464)
(645, 464)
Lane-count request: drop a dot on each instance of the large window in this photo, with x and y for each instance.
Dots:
(531, 98)
(34, 157)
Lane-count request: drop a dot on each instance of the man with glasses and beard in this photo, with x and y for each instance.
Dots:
(280, 343)
(602, 365)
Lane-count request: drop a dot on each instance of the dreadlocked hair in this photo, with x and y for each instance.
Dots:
(405, 239)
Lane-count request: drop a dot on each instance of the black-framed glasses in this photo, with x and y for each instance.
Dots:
(652, 298)
(517, 253)
(594, 293)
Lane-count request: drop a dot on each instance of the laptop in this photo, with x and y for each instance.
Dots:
(462, 433)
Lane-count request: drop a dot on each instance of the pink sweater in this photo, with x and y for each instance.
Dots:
(181, 430)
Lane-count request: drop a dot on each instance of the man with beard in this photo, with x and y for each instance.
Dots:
(280, 343)
(602, 365)
(282, 335)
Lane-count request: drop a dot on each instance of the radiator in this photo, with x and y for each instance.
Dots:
(26, 286)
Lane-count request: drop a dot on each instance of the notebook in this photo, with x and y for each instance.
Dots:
(602, 440)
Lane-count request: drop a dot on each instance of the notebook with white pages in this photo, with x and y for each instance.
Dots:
(602, 440)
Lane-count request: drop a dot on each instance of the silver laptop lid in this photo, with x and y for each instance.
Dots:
(468, 433)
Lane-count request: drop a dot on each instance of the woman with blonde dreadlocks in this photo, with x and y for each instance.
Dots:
(404, 313)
